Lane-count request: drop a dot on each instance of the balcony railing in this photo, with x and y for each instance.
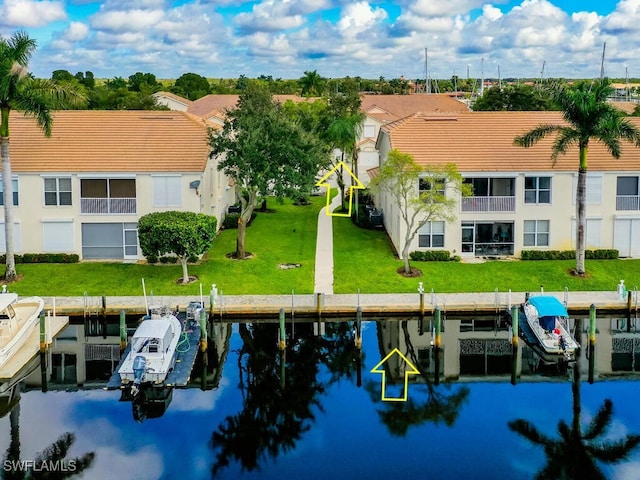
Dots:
(108, 206)
(489, 204)
(627, 202)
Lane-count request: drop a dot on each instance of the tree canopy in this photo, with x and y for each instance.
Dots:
(265, 152)
(191, 86)
(514, 98)
(184, 234)
(420, 194)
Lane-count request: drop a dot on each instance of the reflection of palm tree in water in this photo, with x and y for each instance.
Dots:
(13, 467)
(441, 405)
(575, 455)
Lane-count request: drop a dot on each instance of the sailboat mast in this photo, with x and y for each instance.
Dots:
(427, 86)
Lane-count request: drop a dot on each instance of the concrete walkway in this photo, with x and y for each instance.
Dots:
(323, 281)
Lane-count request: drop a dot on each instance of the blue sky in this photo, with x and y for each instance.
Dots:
(370, 39)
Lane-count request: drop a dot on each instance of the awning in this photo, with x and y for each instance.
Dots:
(548, 306)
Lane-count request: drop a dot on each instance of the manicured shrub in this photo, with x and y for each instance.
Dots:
(432, 256)
(600, 254)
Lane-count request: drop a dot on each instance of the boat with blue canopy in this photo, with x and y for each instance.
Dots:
(548, 319)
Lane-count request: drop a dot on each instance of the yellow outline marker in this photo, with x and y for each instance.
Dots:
(411, 370)
(323, 183)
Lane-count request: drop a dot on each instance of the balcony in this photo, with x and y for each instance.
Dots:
(108, 206)
(489, 204)
(627, 202)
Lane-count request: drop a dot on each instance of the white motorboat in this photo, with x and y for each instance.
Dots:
(152, 352)
(18, 317)
(548, 319)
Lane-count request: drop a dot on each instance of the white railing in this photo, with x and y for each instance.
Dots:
(627, 202)
(488, 204)
(113, 206)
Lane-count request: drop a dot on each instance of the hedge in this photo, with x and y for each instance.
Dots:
(43, 258)
(432, 256)
(600, 254)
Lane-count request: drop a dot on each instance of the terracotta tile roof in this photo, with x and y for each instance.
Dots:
(388, 108)
(626, 107)
(110, 141)
(483, 142)
(216, 105)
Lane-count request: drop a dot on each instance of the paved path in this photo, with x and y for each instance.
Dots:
(323, 282)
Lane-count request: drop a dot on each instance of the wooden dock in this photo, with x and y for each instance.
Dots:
(54, 324)
(187, 350)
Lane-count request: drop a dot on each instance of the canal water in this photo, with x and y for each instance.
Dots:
(323, 408)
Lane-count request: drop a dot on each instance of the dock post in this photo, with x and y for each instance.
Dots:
(203, 330)
(283, 334)
(43, 352)
(319, 305)
(514, 363)
(421, 292)
(43, 333)
(212, 299)
(123, 331)
(438, 327)
(358, 339)
(592, 324)
(514, 325)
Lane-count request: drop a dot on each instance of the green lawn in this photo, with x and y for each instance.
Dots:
(286, 233)
(363, 261)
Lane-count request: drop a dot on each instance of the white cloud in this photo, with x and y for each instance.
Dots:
(359, 17)
(127, 20)
(31, 13)
(271, 15)
(77, 31)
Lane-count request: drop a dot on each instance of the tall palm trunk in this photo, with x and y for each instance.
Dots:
(581, 212)
(10, 271)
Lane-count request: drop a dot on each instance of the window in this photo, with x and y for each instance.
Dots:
(431, 235)
(627, 186)
(58, 236)
(537, 190)
(14, 184)
(428, 184)
(57, 191)
(536, 233)
(167, 191)
(369, 131)
(593, 187)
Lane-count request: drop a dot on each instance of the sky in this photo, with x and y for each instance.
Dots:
(336, 38)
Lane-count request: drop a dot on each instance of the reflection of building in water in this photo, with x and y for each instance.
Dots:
(481, 347)
(85, 356)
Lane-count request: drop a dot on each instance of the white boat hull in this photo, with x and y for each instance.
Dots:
(18, 318)
(159, 361)
(556, 340)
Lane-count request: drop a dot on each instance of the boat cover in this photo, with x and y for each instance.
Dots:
(548, 306)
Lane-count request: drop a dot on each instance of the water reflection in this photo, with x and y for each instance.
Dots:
(576, 453)
(252, 409)
(279, 391)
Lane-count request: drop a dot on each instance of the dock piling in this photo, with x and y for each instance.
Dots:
(438, 317)
(123, 331)
(514, 325)
(358, 336)
(203, 330)
(283, 334)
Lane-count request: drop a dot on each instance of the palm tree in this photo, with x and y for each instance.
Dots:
(33, 97)
(574, 454)
(311, 83)
(588, 116)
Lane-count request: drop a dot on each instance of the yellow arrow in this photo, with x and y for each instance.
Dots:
(324, 183)
(410, 370)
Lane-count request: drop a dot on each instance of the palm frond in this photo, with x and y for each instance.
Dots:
(535, 135)
(600, 422)
(611, 452)
(529, 431)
